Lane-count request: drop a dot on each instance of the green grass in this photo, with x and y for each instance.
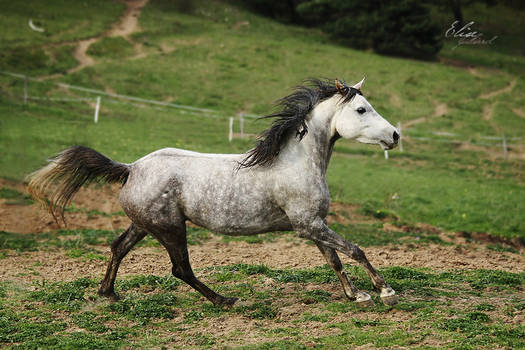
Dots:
(163, 306)
(454, 199)
(14, 197)
(112, 47)
(83, 244)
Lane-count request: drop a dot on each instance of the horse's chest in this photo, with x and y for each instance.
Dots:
(306, 196)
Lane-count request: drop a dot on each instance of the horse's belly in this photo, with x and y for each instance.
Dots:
(232, 219)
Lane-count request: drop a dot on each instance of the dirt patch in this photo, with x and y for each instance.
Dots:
(128, 23)
(395, 100)
(80, 54)
(488, 111)
(455, 63)
(475, 72)
(440, 110)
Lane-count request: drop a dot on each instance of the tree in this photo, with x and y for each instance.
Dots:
(455, 6)
(402, 27)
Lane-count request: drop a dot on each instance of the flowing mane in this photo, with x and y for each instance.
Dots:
(291, 118)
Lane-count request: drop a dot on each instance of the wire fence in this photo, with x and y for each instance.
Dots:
(135, 101)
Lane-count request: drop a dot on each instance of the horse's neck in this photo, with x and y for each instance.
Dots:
(315, 149)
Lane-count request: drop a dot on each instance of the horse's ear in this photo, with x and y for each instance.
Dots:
(359, 85)
(343, 90)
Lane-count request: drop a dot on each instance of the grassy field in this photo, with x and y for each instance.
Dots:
(282, 308)
(452, 177)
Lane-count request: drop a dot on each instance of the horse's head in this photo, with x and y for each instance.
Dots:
(357, 119)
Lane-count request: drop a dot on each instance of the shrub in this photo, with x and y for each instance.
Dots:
(401, 28)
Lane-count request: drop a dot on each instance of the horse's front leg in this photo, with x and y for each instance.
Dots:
(323, 236)
(361, 298)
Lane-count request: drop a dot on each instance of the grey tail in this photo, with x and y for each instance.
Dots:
(55, 184)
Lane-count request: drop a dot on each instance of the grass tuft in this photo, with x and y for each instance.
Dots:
(144, 309)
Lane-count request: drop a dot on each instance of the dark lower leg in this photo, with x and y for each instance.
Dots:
(377, 280)
(388, 295)
(119, 248)
(350, 290)
(194, 282)
(176, 245)
(333, 260)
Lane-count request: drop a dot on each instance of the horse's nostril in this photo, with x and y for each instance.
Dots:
(396, 136)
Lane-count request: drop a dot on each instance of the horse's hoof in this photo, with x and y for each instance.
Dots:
(111, 295)
(226, 302)
(363, 300)
(389, 297)
(230, 301)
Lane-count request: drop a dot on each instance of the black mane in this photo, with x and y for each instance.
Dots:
(292, 119)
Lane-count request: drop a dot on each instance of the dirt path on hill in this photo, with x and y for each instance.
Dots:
(488, 111)
(507, 88)
(126, 25)
(440, 110)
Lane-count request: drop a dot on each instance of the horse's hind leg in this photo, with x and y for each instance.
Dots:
(119, 248)
(362, 298)
(176, 245)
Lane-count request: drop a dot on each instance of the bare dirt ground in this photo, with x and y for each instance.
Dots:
(283, 252)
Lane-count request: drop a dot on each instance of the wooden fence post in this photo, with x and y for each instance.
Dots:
(241, 122)
(230, 134)
(97, 107)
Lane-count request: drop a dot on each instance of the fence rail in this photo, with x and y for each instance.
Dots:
(442, 136)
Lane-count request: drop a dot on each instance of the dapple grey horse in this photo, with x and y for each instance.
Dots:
(278, 185)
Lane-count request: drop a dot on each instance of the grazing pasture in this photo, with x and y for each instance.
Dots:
(443, 219)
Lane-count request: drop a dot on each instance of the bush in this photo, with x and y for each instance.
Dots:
(406, 29)
(280, 10)
(401, 28)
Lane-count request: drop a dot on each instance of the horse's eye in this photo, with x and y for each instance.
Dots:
(361, 110)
